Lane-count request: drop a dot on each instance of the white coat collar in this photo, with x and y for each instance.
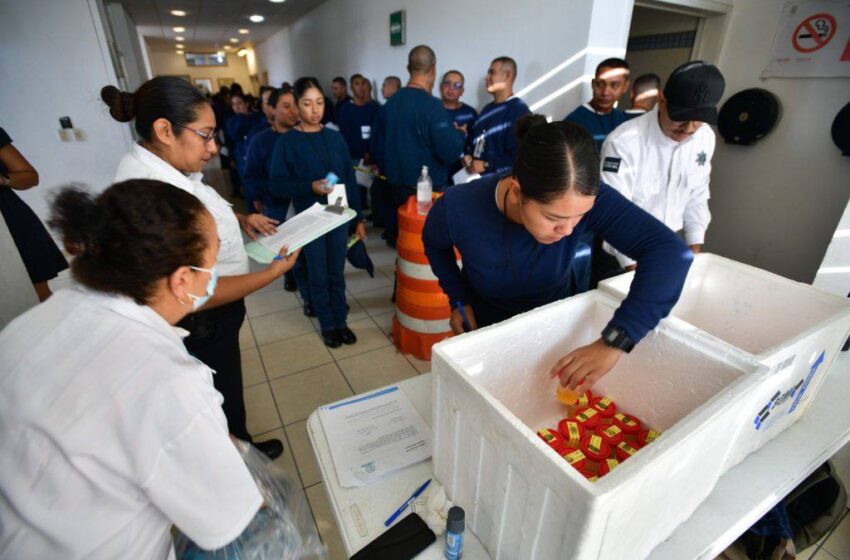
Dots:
(126, 307)
(153, 162)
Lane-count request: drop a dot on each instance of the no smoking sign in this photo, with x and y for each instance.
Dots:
(814, 33)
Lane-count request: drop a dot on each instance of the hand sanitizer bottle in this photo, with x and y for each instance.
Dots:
(423, 192)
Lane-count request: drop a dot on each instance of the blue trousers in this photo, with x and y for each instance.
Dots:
(276, 209)
(326, 278)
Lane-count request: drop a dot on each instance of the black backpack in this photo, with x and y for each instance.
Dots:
(810, 511)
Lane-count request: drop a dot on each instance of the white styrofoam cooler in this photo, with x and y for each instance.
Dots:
(523, 501)
(794, 329)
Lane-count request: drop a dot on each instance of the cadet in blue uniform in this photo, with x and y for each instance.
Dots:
(355, 119)
(462, 115)
(415, 131)
(491, 144)
(284, 117)
(518, 234)
(301, 160)
(600, 116)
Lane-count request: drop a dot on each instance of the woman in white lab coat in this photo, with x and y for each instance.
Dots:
(109, 430)
(177, 125)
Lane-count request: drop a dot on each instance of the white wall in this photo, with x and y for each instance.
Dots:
(341, 37)
(130, 49)
(776, 204)
(169, 63)
(55, 58)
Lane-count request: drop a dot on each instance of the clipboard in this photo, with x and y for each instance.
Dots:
(300, 230)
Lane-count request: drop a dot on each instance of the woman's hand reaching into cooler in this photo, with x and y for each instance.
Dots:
(583, 367)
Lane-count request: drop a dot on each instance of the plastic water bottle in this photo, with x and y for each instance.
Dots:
(423, 192)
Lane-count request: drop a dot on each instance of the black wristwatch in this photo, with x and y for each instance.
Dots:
(616, 337)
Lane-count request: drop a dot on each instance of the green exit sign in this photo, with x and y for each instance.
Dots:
(397, 28)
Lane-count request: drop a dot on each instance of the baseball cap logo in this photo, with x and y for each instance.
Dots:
(701, 94)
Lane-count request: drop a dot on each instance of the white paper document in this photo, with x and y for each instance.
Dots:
(374, 434)
(363, 174)
(303, 228)
(464, 176)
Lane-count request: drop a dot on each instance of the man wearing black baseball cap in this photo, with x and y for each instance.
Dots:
(661, 160)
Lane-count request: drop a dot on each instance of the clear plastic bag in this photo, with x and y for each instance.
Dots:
(283, 529)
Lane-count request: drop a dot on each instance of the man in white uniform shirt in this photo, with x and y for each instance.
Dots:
(661, 160)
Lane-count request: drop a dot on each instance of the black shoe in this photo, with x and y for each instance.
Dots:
(391, 243)
(289, 283)
(271, 448)
(345, 335)
(331, 339)
(308, 310)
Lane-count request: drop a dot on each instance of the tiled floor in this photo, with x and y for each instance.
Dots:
(288, 372)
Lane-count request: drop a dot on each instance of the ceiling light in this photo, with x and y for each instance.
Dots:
(178, 13)
(244, 31)
(242, 52)
(277, 1)
(179, 45)
(234, 40)
(179, 29)
(256, 18)
(227, 47)
(180, 38)
(180, 53)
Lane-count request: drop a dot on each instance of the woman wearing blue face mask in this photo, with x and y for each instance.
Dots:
(122, 435)
(176, 124)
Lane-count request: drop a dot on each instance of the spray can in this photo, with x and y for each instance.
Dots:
(454, 533)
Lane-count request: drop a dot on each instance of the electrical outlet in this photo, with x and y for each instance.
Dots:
(79, 135)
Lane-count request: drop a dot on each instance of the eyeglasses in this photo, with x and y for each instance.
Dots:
(453, 85)
(207, 136)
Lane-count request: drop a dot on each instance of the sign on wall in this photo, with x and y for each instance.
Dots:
(812, 41)
(397, 28)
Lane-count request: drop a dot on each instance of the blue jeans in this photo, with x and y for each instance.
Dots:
(326, 278)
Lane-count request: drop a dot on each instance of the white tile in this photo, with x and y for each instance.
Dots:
(385, 322)
(280, 325)
(286, 459)
(260, 409)
(325, 522)
(303, 453)
(369, 337)
(838, 543)
(376, 302)
(299, 394)
(252, 368)
(358, 281)
(246, 336)
(375, 369)
(271, 301)
(294, 354)
(422, 366)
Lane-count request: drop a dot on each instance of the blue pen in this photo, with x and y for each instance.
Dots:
(403, 507)
(466, 326)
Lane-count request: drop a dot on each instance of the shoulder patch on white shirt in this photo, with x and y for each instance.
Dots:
(611, 164)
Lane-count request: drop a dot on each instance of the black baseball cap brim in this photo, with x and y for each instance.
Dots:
(700, 114)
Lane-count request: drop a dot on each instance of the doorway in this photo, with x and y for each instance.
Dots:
(659, 41)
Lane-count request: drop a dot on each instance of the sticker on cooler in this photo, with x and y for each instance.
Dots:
(768, 414)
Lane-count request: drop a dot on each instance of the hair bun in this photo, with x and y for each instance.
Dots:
(121, 104)
(526, 123)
